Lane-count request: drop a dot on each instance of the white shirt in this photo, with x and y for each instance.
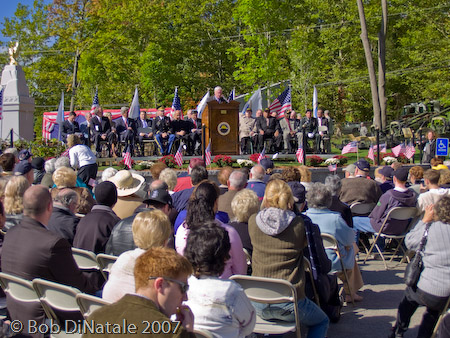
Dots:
(81, 155)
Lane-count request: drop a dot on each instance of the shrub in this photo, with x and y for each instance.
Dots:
(222, 160)
(342, 159)
(313, 161)
(169, 160)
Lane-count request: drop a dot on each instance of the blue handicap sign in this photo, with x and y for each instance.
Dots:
(442, 147)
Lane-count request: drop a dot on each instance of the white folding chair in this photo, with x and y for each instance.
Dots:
(400, 214)
(88, 303)
(330, 242)
(87, 260)
(271, 291)
(106, 262)
(58, 298)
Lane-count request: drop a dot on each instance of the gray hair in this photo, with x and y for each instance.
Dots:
(170, 177)
(237, 179)
(258, 172)
(158, 184)
(49, 166)
(123, 110)
(318, 196)
(62, 161)
(12, 151)
(66, 197)
(334, 184)
(108, 173)
(217, 88)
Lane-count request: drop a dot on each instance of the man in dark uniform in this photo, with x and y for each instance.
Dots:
(100, 128)
(309, 127)
(162, 131)
(266, 128)
(144, 129)
(181, 128)
(70, 126)
(195, 137)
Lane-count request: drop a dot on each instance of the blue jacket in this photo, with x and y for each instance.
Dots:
(259, 187)
(331, 222)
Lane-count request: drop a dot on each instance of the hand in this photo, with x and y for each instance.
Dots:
(186, 317)
(103, 136)
(429, 214)
(276, 133)
(129, 128)
(142, 134)
(261, 132)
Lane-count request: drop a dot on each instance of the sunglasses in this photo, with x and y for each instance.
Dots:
(184, 287)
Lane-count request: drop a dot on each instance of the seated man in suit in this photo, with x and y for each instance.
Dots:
(247, 131)
(322, 121)
(70, 126)
(195, 136)
(309, 128)
(144, 129)
(31, 251)
(160, 276)
(266, 128)
(100, 128)
(85, 128)
(126, 129)
(163, 132)
(181, 128)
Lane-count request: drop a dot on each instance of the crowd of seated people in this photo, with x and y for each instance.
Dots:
(275, 217)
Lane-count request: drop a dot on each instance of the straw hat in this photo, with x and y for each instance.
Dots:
(127, 183)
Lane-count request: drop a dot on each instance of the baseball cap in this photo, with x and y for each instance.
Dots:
(362, 165)
(298, 190)
(160, 196)
(401, 174)
(24, 154)
(387, 171)
(22, 168)
(266, 163)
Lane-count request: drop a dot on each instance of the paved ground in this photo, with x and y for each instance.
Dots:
(374, 316)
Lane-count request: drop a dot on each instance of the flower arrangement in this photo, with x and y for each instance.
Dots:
(254, 157)
(388, 160)
(142, 165)
(342, 159)
(313, 161)
(332, 160)
(222, 160)
(169, 160)
(124, 166)
(245, 163)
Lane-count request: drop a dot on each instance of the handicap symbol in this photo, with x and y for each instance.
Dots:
(442, 145)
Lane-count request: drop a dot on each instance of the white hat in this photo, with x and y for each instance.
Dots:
(127, 183)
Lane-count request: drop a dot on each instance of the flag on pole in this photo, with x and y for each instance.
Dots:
(371, 154)
(135, 109)
(179, 156)
(60, 115)
(232, 95)
(262, 155)
(201, 106)
(282, 102)
(254, 103)
(208, 154)
(127, 157)
(332, 167)
(95, 102)
(400, 149)
(351, 147)
(66, 153)
(1, 104)
(176, 104)
(410, 151)
(299, 154)
(315, 103)
(382, 148)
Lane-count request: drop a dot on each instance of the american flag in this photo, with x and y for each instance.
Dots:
(232, 95)
(127, 157)
(95, 102)
(352, 147)
(1, 104)
(66, 153)
(400, 149)
(382, 148)
(179, 156)
(410, 151)
(299, 154)
(262, 155)
(371, 154)
(282, 102)
(176, 104)
(208, 154)
(332, 167)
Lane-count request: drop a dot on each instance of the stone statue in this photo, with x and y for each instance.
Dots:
(13, 53)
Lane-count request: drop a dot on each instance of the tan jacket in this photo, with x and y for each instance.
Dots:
(246, 126)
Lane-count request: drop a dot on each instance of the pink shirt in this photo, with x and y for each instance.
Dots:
(236, 265)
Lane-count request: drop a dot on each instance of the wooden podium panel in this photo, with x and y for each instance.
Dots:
(222, 127)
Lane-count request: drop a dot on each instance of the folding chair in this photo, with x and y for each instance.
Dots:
(441, 316)
(308, 269)
(106, 262)
(89, 304)
(400, 214)
(330, 242)
(87, 260)
(270, 291)
(58, 298)
(362, 209)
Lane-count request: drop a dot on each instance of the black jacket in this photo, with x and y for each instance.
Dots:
(63, 223)
(261, 124)
(162, 125)
(68, 128)
(97, 127)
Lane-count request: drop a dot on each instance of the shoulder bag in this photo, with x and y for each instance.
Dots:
(415, 267)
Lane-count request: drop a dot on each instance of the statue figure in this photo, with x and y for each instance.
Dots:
(13, 53)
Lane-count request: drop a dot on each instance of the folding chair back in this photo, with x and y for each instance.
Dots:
(308, 270)
(18, 288)
(361, 209)
(401, 213)
(270, 291)
(106, 262)
(441, 317)
(89, 304)
(86, 260)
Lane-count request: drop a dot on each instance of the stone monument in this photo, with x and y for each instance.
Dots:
(18, 106)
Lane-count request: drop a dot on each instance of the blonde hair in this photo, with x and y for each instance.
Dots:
(305, 173)
(170, 177)
(278, 194)
(244, 204)
(3, 183)
(72, 140)
(14, 190)
(64, 177)
(444, 177)
(151, 229)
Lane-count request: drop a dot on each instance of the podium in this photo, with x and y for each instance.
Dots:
(221, 122)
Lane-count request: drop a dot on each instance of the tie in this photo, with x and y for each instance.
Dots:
(195, 124)
(126, 124)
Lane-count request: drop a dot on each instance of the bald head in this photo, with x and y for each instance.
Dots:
(37, 201)
(257, 172)
(158, 184)
(67, 198)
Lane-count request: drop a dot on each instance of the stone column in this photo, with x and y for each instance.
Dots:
(18, 106)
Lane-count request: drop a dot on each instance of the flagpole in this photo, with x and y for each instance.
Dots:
(357, 151)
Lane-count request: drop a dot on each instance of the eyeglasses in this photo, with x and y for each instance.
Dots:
(184, 287)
